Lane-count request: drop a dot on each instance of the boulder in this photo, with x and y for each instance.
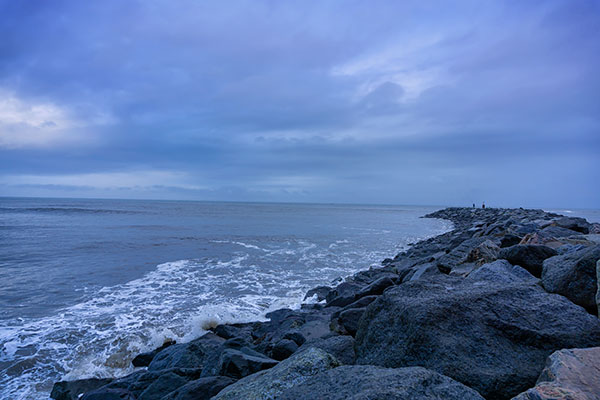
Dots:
(148, 385)
(501, 272)
(347, 321)
(573, 275)
(487, 333)
(283, 349)
(200, 389)
(530, 257)
(339, 346)
(108, 394)
(558, 232)
(271, 383)
(144, 359)
(71, 390)
(320, 292)
(186, 355)
(376, 288)
(598, 282)
(422, 271)
(459, 254)
(573, 223)
(237, 363)
(484, 253)
(570, 374)
(370, 382)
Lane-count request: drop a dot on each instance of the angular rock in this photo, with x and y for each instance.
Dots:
(573, 223)
(283, 349)
(558, 232)
(237, 363)
(186, 355)
(144, 359)
(149, 385)
(501, 272)
(347, 322)
(71, 390)
(200, 389)
(492, 336)
(341, 347)
(271, 383)
(573, 275)
(459, 254)
(570, 374)
(376, 288)
(598, 290)
(484, 253)
(369, 382)
(320, 291)
(422, 271)
(108, 394)
(530, 257)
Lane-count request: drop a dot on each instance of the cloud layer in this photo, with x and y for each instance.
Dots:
(385, 102)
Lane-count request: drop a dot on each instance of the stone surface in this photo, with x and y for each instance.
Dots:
(573, 223)
(108, 394)
(339, 346)
(200, 389)
(144, 359)
(369, 382)
(598, 282)
(490, 335)
(271, 383)
(237, 363)
(530, 257)
(71, 390)
(186, 355)
(570, 374)
(573, 275)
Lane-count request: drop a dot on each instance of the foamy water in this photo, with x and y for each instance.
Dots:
(243, 278)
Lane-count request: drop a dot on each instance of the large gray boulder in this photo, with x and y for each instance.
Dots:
(530, 257)
(368, 382)
(573, 275)
(570, 374)
(339, 346)
(577, 224)
(485, 332)
(271, 383)
(200, 389)
(186, 355)
(72, 390)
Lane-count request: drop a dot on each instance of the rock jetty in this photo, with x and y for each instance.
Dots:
(504, 306)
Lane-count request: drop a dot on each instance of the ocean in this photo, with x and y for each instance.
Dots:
(88, 284)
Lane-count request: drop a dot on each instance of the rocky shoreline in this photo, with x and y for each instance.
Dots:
(503, 306)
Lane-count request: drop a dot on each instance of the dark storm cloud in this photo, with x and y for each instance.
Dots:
(390, 102)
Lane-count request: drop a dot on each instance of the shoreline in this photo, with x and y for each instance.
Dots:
(243, 359)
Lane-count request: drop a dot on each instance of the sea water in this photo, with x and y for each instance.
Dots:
(85, 285)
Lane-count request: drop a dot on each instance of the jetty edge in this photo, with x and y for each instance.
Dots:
(503, 306)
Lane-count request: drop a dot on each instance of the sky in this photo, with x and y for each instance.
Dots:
(389, 102)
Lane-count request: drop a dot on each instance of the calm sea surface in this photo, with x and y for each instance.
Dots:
(87, 284)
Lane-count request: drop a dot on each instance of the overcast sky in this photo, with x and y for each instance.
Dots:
(424, 102)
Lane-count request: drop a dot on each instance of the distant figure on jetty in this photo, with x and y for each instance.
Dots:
(473, 205)
(483, 205)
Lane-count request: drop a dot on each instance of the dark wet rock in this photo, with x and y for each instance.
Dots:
(558, 232)
(490, 335)
(339, 346)
(570, 374)
(108, 394)
(144, 359)
(283, 349)
(344, 290)
(228, 331)
(320, 291)
(484, 253)
(71, 390)
(237, 363)
(200, 389)
(573, 223)
(360, 303)
(510, 240)
(295, 336)
(501, 272)
(186, 355)
(598, 282)
(347, 321)
(573, 275)
(422, 271)
(459, 254)
(595, 228)
(150, 385)
(271, 383)
(376, 288)
(369, 382)
(530, 257)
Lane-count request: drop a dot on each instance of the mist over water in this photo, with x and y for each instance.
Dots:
(88, 284)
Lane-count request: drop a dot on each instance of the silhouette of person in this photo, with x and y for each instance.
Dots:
(483, 205)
